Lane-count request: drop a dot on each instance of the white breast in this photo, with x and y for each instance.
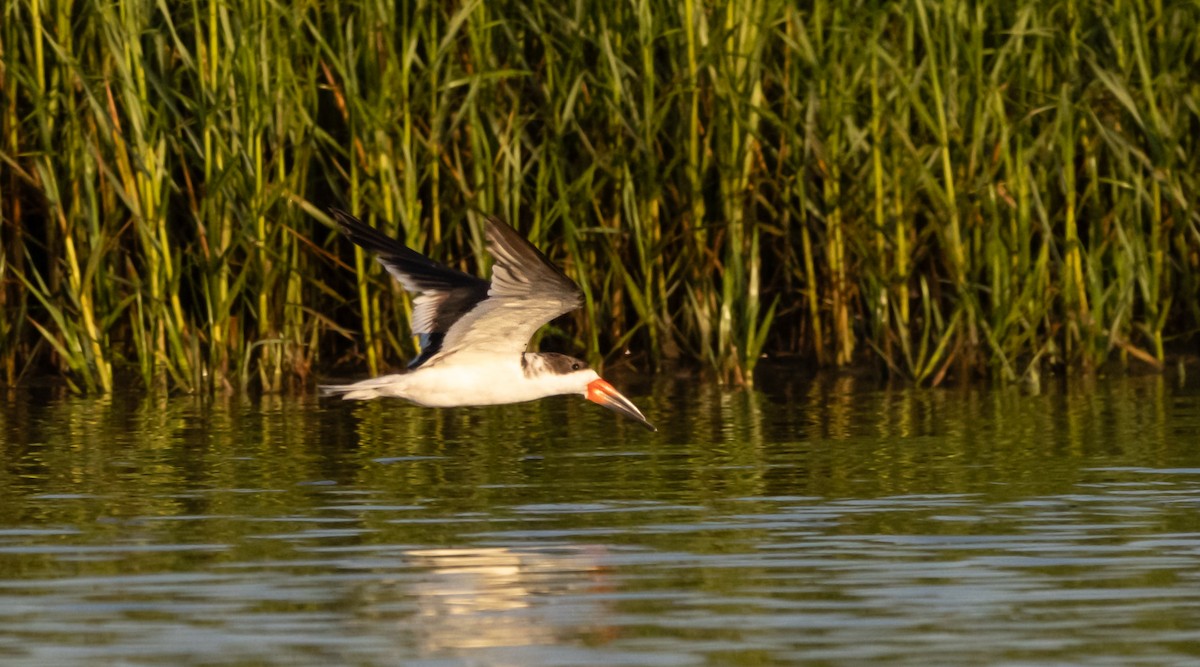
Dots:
(483, 380)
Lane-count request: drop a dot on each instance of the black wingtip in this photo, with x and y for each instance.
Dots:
(366, 236)
(349, 223)
(342, 217)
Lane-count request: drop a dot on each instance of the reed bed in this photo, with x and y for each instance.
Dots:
(946, 189)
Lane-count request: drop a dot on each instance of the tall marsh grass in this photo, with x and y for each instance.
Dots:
(942, 187)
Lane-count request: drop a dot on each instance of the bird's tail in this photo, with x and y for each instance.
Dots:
(384, 385)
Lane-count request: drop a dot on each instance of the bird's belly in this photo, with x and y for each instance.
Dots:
(447, 387)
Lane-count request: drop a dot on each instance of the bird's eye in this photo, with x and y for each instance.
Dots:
(575, 366)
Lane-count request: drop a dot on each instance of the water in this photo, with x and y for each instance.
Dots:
(817, 523)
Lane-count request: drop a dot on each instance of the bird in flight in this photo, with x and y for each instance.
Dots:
(474, 333)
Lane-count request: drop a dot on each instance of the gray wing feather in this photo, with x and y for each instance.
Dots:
(526, 292)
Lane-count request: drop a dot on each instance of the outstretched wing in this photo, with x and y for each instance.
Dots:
(443, 295)
(526, 292)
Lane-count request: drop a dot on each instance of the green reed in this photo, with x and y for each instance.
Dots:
(949, 189)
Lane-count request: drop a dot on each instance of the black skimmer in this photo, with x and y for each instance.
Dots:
(473, 332)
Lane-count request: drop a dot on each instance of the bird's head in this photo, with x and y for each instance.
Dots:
(574, 376)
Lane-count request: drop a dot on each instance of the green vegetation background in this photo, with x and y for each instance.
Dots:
(976, 188)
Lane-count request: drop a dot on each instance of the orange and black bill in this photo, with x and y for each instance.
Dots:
(600, 391)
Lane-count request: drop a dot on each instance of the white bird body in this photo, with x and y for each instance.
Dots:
(476, 379)
(474, 332)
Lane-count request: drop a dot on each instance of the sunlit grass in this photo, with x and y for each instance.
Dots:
(942, 188)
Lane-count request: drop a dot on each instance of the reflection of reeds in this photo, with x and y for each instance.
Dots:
(943, 187)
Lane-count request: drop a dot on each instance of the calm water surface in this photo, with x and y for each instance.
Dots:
(827, 522)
